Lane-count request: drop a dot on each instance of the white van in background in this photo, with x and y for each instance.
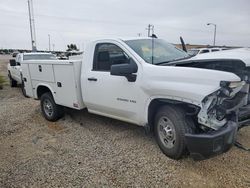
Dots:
(196, 51)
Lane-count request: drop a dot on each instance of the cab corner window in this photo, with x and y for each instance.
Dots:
(107, 54)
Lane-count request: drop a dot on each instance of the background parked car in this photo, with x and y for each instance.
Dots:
(196, 51)
(14, 67)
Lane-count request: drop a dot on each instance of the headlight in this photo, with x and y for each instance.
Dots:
(231, 88)
(232, 85)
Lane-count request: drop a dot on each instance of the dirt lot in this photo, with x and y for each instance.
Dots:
(84, 150)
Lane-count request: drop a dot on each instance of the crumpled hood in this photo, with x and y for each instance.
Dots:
(183, 83)
(242, 54)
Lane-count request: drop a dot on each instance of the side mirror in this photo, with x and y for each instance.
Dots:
(126, 70)
(12, 62)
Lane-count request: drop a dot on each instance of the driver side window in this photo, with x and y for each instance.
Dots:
(107, 54)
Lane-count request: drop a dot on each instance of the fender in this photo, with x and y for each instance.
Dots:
(170, 98)
(44, 85)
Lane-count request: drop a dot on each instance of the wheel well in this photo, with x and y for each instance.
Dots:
(41, 90)
(189, 109)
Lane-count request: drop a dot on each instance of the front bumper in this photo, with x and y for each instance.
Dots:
(244, 115)
(203, 146)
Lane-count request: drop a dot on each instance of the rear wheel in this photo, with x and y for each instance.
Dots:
(51, 111)
(23, 88)
(13, 83)
(170, 127)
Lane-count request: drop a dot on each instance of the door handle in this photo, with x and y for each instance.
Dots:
(92, 79)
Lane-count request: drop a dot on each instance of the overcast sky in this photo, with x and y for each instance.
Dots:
(77, 21)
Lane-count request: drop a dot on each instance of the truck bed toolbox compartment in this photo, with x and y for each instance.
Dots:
(61, 77)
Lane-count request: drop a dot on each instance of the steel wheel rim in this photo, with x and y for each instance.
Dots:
(167, 132)
(47, 107)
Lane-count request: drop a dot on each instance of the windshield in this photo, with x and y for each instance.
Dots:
(39, 57)
(156, 51)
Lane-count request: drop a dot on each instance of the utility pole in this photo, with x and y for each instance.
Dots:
(150, 28)
(215, 27)
(49, 41)
(53, 47)
(32, 25)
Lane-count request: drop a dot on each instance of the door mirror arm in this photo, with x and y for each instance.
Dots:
(131, 77)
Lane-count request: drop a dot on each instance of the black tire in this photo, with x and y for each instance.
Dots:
(13, 83)
(170, 127)
(23, 90)
(51, 111)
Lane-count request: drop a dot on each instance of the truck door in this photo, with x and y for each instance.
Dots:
(16, 69)
(109, 95)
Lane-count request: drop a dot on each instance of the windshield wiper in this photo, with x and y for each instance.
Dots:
(177, 59)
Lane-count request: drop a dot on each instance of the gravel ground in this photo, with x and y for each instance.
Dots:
(84, 150)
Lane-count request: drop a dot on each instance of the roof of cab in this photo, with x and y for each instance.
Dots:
(119, 38)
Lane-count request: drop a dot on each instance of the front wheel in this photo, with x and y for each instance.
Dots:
(170, 127)
(51, 111)
(13, 83)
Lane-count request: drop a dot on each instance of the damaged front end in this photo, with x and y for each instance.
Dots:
(235, 66)
(217, 120)
(220, 106)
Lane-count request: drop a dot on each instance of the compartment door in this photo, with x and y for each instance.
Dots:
(42, 72)
(65, 86)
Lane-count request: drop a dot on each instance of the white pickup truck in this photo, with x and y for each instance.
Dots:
(191, 110)
(14, 67)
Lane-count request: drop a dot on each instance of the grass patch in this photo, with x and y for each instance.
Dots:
(2, 81)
